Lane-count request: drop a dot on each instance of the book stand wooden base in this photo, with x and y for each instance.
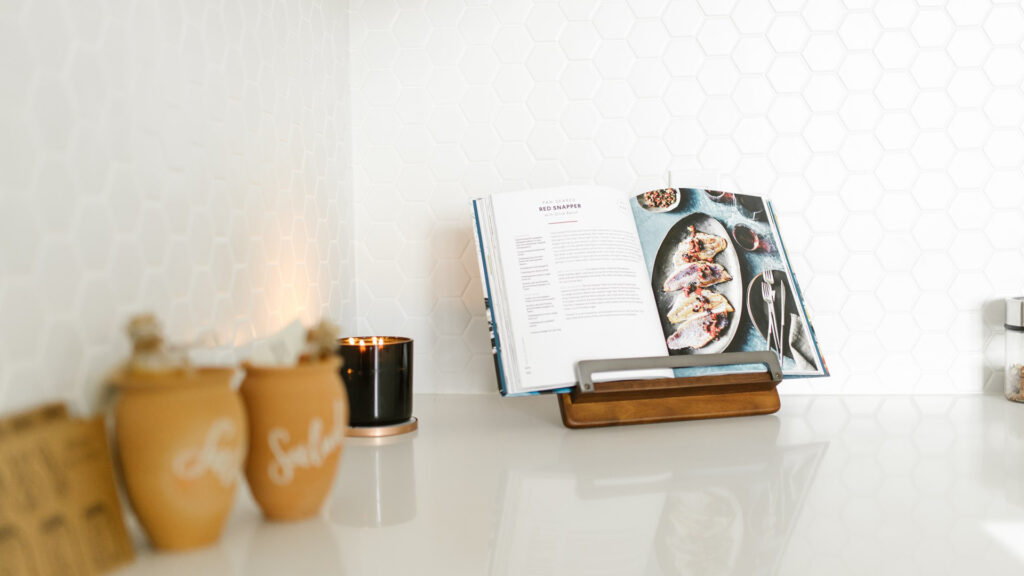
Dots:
(591, 404)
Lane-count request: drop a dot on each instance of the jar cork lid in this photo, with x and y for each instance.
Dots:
(1015, 313)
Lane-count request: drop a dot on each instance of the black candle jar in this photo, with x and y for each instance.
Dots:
(377, 372)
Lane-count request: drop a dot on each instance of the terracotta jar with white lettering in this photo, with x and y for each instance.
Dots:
(297, 421)
(181, 438)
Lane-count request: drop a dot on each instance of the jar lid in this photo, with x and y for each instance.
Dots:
(1015, 312)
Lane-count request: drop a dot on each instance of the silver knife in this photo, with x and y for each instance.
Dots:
(770, 326)
(782, 316)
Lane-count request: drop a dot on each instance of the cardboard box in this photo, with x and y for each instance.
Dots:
(59, 510)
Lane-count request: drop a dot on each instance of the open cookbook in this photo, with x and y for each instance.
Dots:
(586, 272)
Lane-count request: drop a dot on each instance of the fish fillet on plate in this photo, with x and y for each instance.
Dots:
(697, 304)
(698, 330)
(701, 316)
(698, 246)
(692, 275)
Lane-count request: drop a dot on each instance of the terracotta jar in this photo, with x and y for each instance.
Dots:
(181, 437)
(297, 422)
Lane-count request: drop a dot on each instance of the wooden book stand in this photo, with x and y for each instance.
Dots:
(591, 404)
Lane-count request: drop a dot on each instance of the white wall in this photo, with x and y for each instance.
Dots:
(193, 158)
(887, 133)
(190, 158)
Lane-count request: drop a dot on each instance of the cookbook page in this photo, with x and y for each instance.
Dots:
(575, 282)
(721, 278)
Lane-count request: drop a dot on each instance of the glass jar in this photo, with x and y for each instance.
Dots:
(1014, 349)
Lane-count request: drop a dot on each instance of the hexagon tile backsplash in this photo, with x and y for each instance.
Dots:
(887, 132)
(233, 164)
(190, 158)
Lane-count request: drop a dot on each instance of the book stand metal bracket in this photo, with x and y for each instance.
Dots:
(591, 404)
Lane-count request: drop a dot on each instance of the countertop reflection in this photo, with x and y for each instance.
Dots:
(829, 485)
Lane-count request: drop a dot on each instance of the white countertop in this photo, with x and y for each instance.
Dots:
(490, 486)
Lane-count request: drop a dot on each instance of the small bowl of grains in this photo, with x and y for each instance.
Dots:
(662, 200)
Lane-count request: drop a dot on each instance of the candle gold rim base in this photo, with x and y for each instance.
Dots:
(382, 431)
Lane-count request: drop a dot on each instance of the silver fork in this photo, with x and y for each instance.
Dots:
(768, 294)
(769, 278)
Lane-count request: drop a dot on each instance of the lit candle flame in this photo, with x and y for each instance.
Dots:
(351, 340)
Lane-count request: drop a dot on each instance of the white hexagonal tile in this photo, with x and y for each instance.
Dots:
(513, 122)
(614, 139)
(580, 80)
(898, 260)
(1005, 24)
(580, 120)
(754, 135)
(824, 93)
(788, 34)
(825, 173)
(860, 31)
(684, 136)
(478, 25)
(897, 211)
(579, 40)
(933, 190)
(860, 71)
(718, 36)
(933, 231)
(932, 69)
(648, 78)
(752, 55)
(895, 49)
(970, 169)
(931, 152)
(789, 154)
(862, 312)
(581, 161)
(545, 22)
(860, 112)
(823, 16)
(1004, 148)
(861, 152)
(932, 28)
(967, 12)
(824, 53)
(789, 114)
(546, 141)
(827, 253)
(862, 272)
(752, 16)
(1003, 108)
(613, 19)
(648, 38)
(933, 271)
(479, 66)
(1004, 189)
(969, 47)
(789, 74)
(932, 110)
(546, 63)
(860, 192)
(649, 157)
(896, 90)
(719, 116)
(1004, 67)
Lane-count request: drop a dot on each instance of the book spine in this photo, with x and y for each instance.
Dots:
(488, 308)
